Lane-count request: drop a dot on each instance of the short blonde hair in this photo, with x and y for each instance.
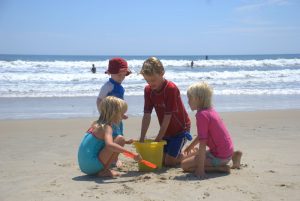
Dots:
(202, 93)
(111, 109)
(152, 66)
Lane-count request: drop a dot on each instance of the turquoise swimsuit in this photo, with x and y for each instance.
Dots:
(88, 154)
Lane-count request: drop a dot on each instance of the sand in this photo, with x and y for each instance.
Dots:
(39, 162)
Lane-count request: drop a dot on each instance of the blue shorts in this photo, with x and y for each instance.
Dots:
(215, 161)
(175, 144)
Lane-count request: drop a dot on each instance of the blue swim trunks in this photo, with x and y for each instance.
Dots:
(175, 144)
(88, 154)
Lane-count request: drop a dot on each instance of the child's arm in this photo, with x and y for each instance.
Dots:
(163, 127)
(200, 159)
(189, 148)
(98, 103)
(114, 147)
(145, 125)
(105, 89)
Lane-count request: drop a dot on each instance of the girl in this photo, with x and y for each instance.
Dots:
(211, 133)
(98, 149)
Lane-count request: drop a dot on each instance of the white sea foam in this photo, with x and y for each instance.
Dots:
(22, 78)
(135, 63)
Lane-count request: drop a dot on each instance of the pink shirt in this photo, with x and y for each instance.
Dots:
(211, 128)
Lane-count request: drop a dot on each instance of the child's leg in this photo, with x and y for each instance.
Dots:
(108, 173)
(222, 168)
(172, 149)
(120, 140)
(189, 165)
(214, 164)
(171, 161)
(236, 159)
(107, 157)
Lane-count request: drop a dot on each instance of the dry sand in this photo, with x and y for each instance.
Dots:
(39, 162)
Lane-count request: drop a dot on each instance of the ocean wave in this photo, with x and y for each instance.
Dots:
(22, 78)
(134, 63)
(86, 93)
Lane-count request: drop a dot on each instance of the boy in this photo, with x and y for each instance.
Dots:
(164, 96)
(118, 70)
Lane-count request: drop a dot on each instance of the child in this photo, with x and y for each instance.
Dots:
(98, 150)
(117, 69)
(211, 133)
(164, 96)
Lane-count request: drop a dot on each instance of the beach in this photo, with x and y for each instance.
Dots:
(39, 162)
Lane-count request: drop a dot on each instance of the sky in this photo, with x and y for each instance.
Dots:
(149, 27)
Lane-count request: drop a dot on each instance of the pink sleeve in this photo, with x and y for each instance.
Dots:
(202, 121)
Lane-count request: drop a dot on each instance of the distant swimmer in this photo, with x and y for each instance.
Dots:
(93, 69)
(206, 57)
(192, 64)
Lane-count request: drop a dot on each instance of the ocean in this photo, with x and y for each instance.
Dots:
(49, 86)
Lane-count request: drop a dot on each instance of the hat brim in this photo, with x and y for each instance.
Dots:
(121, 70)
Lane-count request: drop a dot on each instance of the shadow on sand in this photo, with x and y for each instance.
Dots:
(129, 176)
(192, 177)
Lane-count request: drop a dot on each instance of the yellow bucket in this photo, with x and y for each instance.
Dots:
(152, 152)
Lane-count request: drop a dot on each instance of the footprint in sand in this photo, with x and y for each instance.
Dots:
(205, 195)
(125, 190)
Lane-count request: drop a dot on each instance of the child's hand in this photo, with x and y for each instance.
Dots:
(187, 150)
(129, 141)
(138, 158)
(125, 116)
(158, 139)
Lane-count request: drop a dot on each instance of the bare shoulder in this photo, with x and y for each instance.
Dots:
(101, 130)
(107, 128)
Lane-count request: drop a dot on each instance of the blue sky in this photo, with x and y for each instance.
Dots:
(153, 27)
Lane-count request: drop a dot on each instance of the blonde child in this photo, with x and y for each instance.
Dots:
(98, 149)
(164, 97)
(212, 133)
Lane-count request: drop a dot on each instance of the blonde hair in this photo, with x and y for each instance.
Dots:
(152, 66)
(202, 93)
(111, 109)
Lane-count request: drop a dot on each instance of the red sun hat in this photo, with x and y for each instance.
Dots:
(117, 65)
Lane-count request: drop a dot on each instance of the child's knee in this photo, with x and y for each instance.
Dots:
(171, 161)
(183, 166)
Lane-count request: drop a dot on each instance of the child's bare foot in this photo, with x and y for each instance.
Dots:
(236, 159)
(119, 164)
(108, 173)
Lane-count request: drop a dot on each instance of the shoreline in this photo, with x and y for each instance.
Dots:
(153, 115)
(85, 107)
